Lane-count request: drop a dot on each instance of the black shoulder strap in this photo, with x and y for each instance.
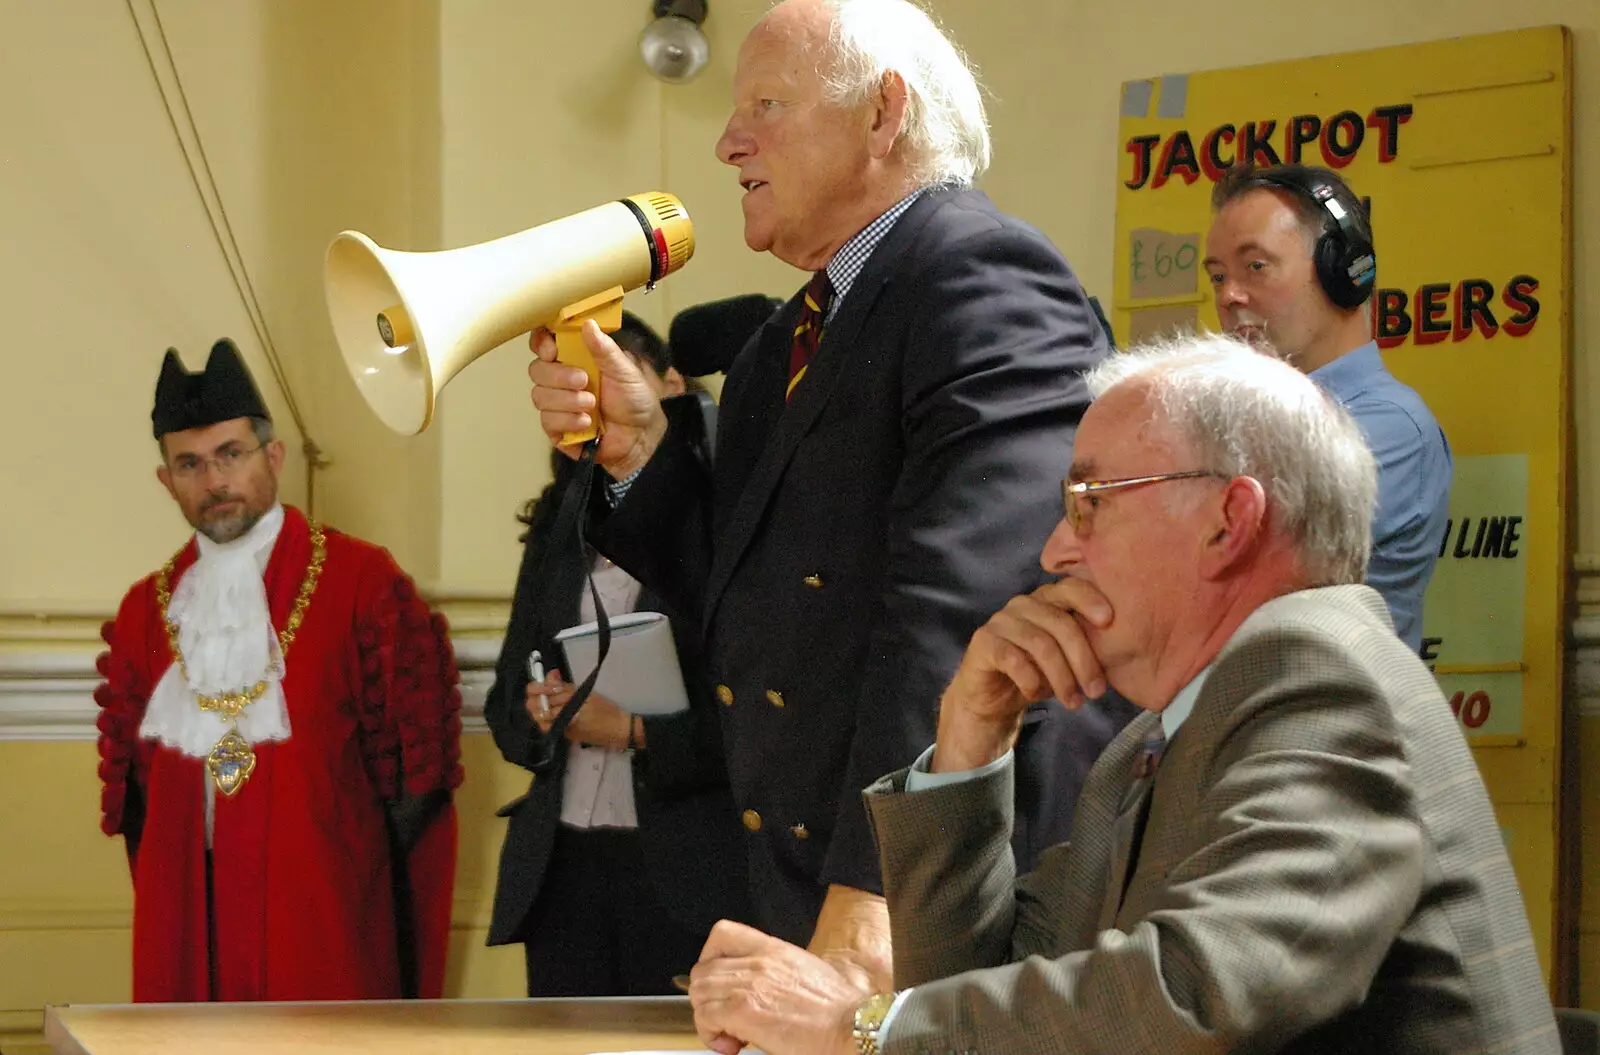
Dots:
(567, 534)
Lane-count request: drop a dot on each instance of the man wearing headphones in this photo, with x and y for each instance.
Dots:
(1292, 267)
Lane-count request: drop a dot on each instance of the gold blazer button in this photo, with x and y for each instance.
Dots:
(752, 820)
(775, 697)
(725, 694)
(799, 831)
(814, 581)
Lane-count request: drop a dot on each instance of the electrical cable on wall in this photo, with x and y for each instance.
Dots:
(226, 242)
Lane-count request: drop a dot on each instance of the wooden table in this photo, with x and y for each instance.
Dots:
(381, 1027)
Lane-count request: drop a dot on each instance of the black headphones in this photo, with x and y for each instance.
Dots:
(1346, 263)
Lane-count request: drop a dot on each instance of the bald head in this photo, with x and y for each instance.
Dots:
(806, 21)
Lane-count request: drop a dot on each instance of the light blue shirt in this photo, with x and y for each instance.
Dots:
(918, 778)
(1414, 470)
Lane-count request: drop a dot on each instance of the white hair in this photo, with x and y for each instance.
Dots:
(1246, 413)
(946, 135)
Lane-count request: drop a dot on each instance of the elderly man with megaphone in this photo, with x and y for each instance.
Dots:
(887, 460)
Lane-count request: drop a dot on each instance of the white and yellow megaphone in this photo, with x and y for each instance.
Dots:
(409, 322)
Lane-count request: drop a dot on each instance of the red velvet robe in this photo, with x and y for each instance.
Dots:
(303, 871)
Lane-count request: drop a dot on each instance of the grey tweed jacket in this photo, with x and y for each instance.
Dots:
(1320, 871)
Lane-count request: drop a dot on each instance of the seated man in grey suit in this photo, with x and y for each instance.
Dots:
(1291, 850)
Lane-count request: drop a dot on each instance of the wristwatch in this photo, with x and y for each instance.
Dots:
(869, 1019)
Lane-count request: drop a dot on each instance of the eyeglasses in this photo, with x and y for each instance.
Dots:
(1077, 499)
(189, 466)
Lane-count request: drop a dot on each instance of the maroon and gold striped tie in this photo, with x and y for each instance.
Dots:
(808, 331)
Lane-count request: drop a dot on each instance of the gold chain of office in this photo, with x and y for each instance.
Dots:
(232, 704)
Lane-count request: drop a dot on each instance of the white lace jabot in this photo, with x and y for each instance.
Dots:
(229, 644)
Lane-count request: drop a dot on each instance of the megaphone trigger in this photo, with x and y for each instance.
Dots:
(605, 309)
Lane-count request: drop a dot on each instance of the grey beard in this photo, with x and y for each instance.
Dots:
(230, 528)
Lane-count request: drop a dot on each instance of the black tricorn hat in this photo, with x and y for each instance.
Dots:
(222, 391)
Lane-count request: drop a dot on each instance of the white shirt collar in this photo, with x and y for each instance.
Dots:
(1176, 712)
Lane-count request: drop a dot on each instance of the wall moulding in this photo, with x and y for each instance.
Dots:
(47, 690)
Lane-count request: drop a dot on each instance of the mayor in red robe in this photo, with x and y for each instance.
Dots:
(319, 865)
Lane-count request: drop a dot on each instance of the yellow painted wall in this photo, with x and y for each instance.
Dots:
(432, 123)
(311, 116)
(547, 110)
(65, 905)
(107, 261)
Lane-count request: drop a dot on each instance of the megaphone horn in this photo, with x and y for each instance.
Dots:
(407, 323)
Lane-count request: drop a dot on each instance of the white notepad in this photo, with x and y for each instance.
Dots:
(641, 673)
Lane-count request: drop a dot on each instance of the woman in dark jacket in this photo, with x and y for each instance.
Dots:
(626, 848)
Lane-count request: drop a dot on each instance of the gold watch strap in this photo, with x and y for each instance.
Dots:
(869, 1019)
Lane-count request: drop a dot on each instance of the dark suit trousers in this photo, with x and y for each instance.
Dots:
(598, 928)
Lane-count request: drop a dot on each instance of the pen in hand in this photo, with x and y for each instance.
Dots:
(536, 672)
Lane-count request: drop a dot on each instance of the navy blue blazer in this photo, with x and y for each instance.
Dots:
(847, 542)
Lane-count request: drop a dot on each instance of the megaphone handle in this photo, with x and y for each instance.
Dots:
(604, 308)
(571, 350)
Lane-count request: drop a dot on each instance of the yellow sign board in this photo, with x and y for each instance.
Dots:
(1463, 150)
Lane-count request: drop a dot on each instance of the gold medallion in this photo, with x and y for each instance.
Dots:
(231, 762)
